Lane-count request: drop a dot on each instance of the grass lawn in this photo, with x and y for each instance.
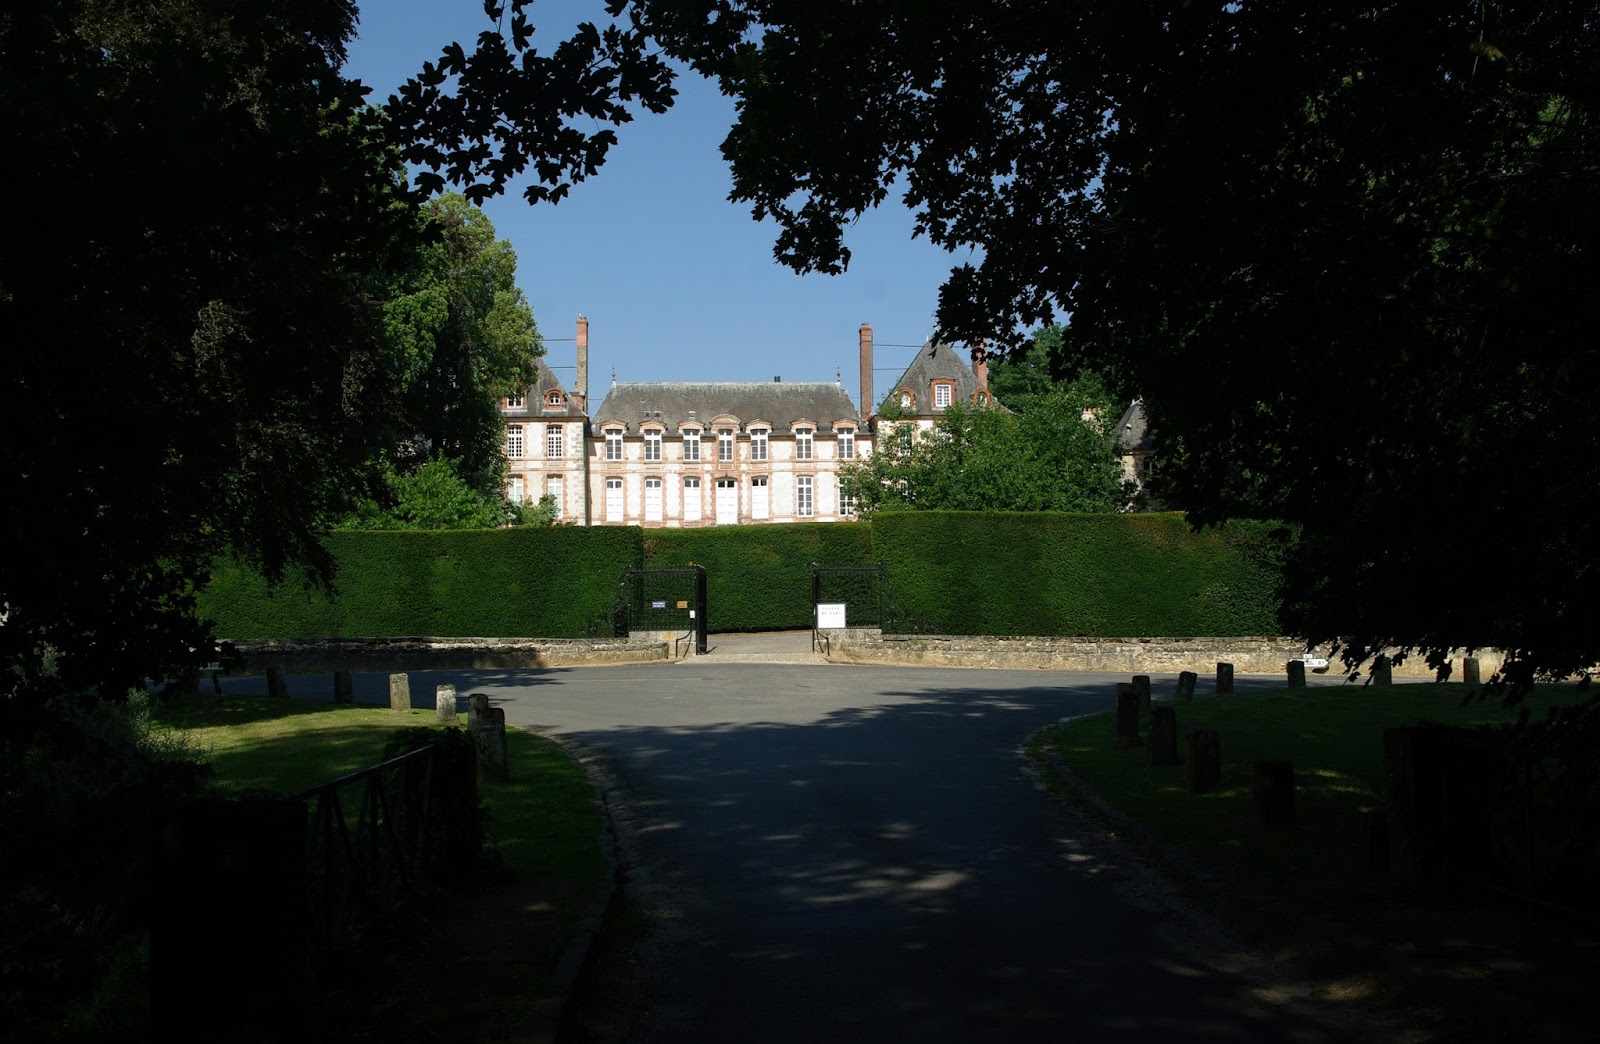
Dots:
(543, 824)
(1333, 736)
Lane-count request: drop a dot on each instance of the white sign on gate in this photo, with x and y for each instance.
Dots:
(830, 615)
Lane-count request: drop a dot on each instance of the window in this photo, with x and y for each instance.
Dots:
(554, 399)
(652, 445)
(802, 496)
(847, 504)
(514, 441)
(724, 443)
(553, 488)
(552, 441)
(692, 504)
(613, 500)
(652, 500)
(515, 495)
(613, 446)
(514, 401)
(941, 396)
(691, 445)
(847, 444)
(760, 505)
(906, 400)
(758, 444)
(802, 444)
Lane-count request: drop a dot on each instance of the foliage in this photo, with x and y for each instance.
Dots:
(542, 514)
(84, 785)
(989, 459)
(483, 117)
(1346, 256)
(554, 582)
(205, 371)
(758, 578)
(1026, 379)
(1046, 573)
(434, 496)
(464, 337)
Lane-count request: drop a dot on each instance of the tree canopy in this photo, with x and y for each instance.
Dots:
(985, 458)
(1346, 255)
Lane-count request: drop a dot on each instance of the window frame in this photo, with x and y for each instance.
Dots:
(725, 450)
(758, 443)
(691, 445)
(555, 441)
(846, 439)
(613, 442)
(514, 442)
(804, 443)
(652, 445)
(805, 502)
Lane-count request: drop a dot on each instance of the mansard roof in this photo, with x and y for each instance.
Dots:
(778, 403)
(545, 382)
(935, 361)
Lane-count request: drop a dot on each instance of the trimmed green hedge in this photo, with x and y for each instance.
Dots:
(758, 578)
(503, 583)
(1048, 573)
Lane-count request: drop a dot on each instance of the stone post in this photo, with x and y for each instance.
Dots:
(444, 702)
(1382, 671)
(1471, 672)
(1202, 767)
(1163, 736)
(489, 737)
(1224, 679)
(399, 692)
(1297, 674)
(1272, 792)
(344, 689)
(1186, 680)
(1127, 717)
(276, 687)
(1141, 685)
(477, 707)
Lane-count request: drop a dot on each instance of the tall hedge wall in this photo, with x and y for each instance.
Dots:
(1047, 573)
(504, 583)
(758, 578)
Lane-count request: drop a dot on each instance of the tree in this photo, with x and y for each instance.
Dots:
(989, 459)
(431, 496)
(198, 365)
(1347, 255)
(464, 337)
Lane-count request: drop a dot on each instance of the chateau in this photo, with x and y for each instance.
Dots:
(675, 454)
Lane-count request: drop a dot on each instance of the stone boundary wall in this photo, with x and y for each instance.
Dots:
(1254, 655)
(314, 656)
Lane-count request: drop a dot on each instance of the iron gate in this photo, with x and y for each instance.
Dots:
(859, 588)
(663, 600)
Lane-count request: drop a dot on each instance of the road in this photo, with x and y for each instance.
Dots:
(857, 853)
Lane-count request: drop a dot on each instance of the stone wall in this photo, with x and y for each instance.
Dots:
(1115, 655)
(305, 656)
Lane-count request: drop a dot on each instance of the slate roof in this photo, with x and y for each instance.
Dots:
(778, 403)
(934, 360)
(1133, 430)
(533, 398)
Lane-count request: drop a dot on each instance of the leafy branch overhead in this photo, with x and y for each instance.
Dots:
(481, 119)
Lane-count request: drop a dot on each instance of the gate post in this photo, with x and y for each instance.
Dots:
(700, 610)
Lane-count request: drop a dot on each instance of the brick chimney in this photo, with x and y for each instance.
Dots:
(582, 389)
(866, 372)
(980, 364)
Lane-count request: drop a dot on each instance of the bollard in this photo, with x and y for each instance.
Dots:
(1202, 766)
(1471, 672)
(344, 689)
(1127, 716)
(477, 706)
(1382, 671)
(1163, 736)
(1186, 680)
(444, 702)
(276, 686)
(489, 738)
(1272, 792)
(1297, 674)
(1141, 685)
(1224, 679)
(399, 692)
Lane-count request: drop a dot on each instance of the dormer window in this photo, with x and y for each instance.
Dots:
(614, 444)
(907, 400)
(942, 393)
(555, 398)
(514, 401)
(652, 445)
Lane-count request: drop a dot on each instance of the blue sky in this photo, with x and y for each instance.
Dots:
(677, 283)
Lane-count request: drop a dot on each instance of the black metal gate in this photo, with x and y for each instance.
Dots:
(664, 600)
